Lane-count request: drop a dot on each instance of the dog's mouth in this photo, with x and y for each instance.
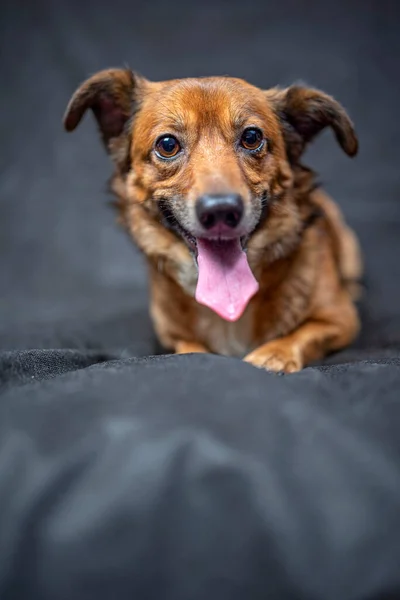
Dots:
(225, 282)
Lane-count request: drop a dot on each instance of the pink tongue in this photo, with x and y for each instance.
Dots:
(225, 282)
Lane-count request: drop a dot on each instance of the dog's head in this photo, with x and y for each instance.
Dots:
(209, 158)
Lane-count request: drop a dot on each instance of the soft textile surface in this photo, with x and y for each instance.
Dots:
(127, 474)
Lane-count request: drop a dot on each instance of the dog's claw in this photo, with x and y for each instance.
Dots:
(275, 357)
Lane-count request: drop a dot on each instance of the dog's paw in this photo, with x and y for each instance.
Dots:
(189, 348)
(276, 357)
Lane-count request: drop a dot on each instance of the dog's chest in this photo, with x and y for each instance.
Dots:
(223, 337)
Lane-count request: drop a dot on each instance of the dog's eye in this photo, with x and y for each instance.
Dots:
(252, 139)
(167, 146)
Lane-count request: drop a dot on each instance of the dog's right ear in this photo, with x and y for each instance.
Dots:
(110, 94)
(304, 112)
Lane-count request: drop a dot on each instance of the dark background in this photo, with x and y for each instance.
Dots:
(188, 477)
(69, 276)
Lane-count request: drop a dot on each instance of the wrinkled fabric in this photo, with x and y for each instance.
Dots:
(125, 473)
(128, 478)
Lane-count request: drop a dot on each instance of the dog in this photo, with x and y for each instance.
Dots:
(247, 256)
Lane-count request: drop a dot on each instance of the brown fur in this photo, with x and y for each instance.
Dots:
(305, 258)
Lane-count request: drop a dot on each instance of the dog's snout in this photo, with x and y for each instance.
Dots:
(219, 209)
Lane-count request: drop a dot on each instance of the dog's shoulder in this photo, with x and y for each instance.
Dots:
(343, 241)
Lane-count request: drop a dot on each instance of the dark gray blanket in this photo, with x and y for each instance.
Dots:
(127, 474)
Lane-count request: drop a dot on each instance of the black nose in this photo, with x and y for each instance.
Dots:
(226, 209)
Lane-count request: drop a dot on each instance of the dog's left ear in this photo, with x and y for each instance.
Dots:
(305, 112)
(110, 94)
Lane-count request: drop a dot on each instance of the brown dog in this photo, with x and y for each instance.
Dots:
(246, 257)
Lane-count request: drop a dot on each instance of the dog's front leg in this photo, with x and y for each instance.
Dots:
(326, 331)
(189, 348)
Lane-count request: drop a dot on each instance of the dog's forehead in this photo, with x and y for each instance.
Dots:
(213, 100)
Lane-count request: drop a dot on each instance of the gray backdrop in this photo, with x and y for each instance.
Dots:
(69, 276)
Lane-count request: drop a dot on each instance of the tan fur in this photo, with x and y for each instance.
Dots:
(307, 268)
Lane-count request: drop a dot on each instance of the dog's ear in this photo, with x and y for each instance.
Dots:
(305, 112)
(110, 94)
